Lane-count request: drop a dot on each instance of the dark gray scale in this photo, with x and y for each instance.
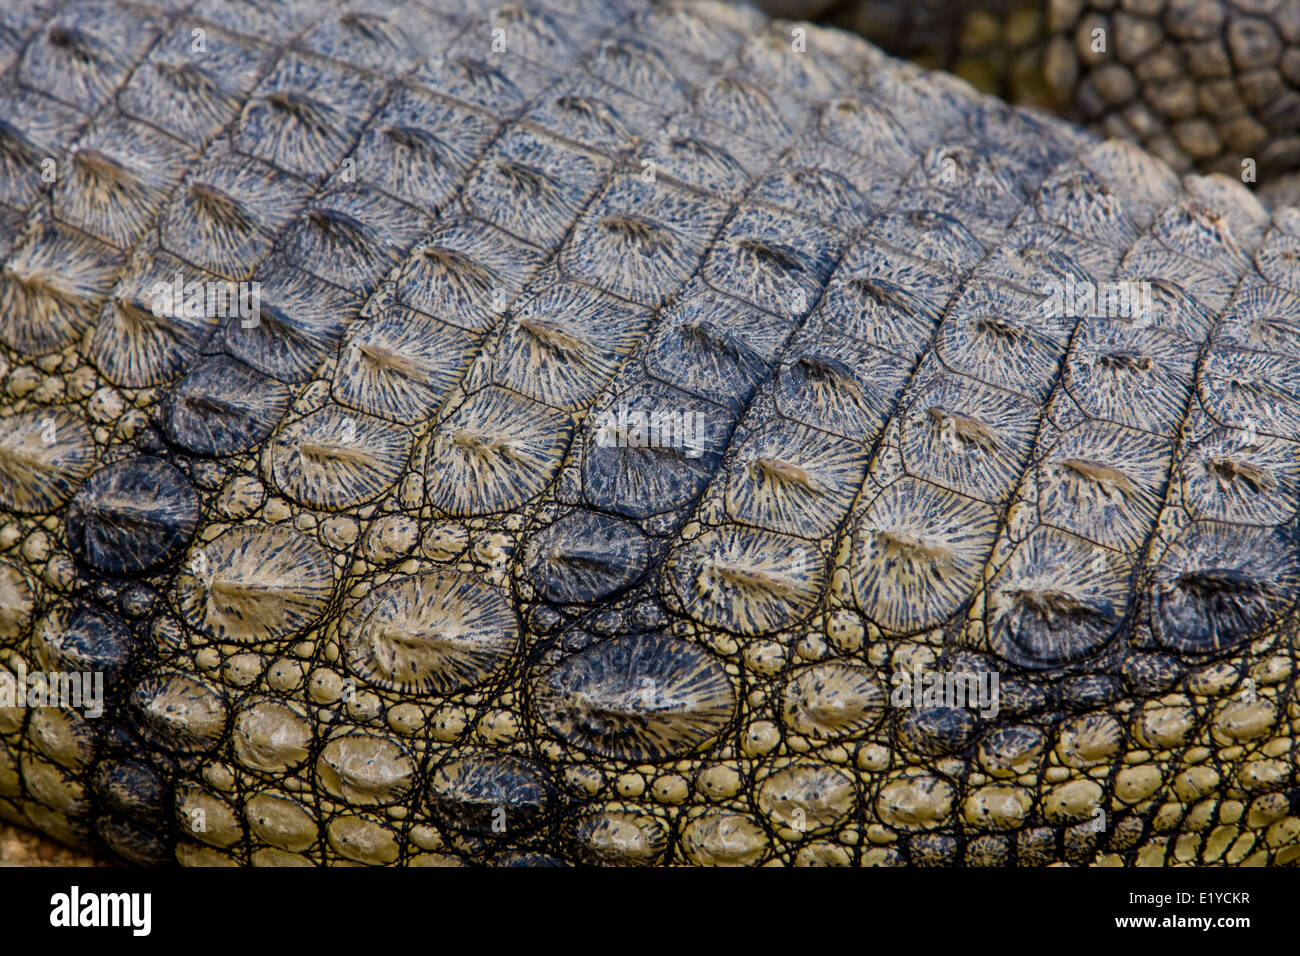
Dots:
(82, 640)
(929, 234)
(750, 110)
(833, 382)
(715, 346)
(400, 364)
(765, 58)
(595, 115)
(1200, 233)
(1006, 337)
(686, 150)
(936, 731)
(419, 148)
(1218, 585)
(1253, 391)
(1278, 259)
(227, 215)
(693, 39)
(887, 298)
(1150, 674)
(32, 127)
(489, 795)
(1264, 318)
(639, 69)
(52, 286)
(251, 18)
(958, 179)
(1077, 201)
(222, 406)
(793, 479)
(1186, 298)
(651, 449)
(773, 260)
(132, 516)
(467, 273)
(533, 184)
(815, 192)
(1056, 599)
(149, 329)
(966, 436)
(501, 84)
(298, 321)
(1029, 144)
(639, 698)
(640, 240)
(83, 54)
(537, 35)
(585, 556)
(131, 788)
(870, 131)
(385, 37)
(117, 177)
(1089, 691)
(133, 842)
(351, 235)
(529, 860)
(306, 114)
(189, 94)
(18, 23)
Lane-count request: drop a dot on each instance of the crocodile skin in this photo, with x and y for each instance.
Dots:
(1203, 84)
(397, 570)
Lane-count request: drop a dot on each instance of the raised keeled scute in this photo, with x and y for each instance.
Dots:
(832, 700)
(178, 713)
(132, 515)
(430, 633)
(1218, 585)
(271, 736)
(223, 406)
(618, 838)
(640, 698)
(585, 556)
(365, 769)
(494, 453)
(82, 639)
(746, 581)
(917, 553)
(1057, 599)
(45, 455)
(254, 584)
(488, 794)
(335, 458)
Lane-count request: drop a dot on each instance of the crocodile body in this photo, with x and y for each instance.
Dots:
(1212, 85)
(635, 394)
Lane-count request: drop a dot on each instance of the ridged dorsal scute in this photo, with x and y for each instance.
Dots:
(335, 458)
(1219, 585)
(132, 515)
(642, 698)
(83, 639)
(178, 712)
(45, 455)
(223, 406)
(585, 556)
(254, 584)
(430, 633)
(488, 794)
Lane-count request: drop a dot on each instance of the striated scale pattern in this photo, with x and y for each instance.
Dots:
(559, 434)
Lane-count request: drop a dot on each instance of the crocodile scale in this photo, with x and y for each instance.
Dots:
(637, 391)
